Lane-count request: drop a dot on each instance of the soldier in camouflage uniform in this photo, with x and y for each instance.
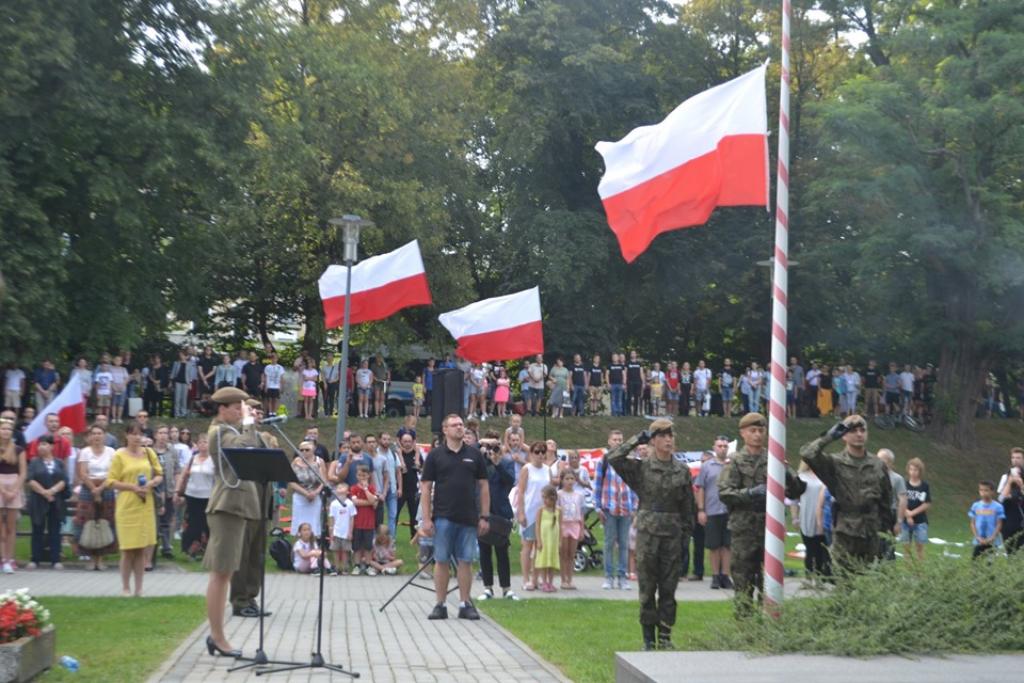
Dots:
(742, 486)
(663, 523)
(860, 484)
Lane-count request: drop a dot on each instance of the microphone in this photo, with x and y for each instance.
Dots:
(273, 419)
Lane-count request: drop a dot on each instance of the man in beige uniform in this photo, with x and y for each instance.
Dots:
(233, 511)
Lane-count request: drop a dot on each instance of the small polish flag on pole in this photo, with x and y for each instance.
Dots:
(711, 151)
(381, 286)
(69, 407)
(501, 328)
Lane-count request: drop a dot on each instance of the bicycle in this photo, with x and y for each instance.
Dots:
(887, 422)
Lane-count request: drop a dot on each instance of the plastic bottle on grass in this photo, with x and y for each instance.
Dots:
(69, 663)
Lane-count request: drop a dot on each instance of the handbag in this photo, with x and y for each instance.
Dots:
(96, 533)
(498, 530)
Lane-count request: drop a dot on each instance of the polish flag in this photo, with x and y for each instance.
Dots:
(381, 285)
(501, 328)
(712, 150)
(69, 407)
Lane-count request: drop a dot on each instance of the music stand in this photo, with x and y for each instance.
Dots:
(429, 563)
(262, 466)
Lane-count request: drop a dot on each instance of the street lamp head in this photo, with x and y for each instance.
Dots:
(350, 225)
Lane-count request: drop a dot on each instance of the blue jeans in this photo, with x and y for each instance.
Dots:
(616, 529)
(618, 393)
(755, 399)
(392, 503)
(579, 399)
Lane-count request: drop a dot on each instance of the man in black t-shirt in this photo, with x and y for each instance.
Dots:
(252, 376)
(454, 477)
(634, 384)
(872, 386)
(207, 369)
(579, 385)
(595, 383)
(617, 383)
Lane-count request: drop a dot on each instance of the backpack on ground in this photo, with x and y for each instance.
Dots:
(281, 552)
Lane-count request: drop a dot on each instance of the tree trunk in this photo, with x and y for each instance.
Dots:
(962, 371)
(316, 334)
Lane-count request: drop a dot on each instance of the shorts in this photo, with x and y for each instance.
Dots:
(454, 541)
(572, 530)
(917, 533)
(102, 400)
(892, 397)
(273, 393)
(365, 391)
(727, 394)
(15, 501)
(342, 544)
(716, 532)
(417, 402)
(672, 396)
(362, 539)
(473, 390)
(12, 399)
(529, 532)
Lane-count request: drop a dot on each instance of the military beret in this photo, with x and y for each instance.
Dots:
(229, 395)
(753, 420)
(855, 421)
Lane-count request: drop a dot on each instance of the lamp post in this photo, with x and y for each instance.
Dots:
(350, 225)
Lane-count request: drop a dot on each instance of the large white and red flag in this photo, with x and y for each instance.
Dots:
(711, 151)
(501, 328)
(381, 286)
(69, 407)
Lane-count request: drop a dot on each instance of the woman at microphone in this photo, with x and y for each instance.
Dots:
(234, 507)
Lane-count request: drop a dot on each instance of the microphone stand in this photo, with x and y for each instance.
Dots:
(316, 658)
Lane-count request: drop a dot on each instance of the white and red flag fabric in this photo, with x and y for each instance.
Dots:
(501, 328)
(711, 151)
(69, 407)
(381, 286)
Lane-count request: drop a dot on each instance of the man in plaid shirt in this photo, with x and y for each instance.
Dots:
(616, 504)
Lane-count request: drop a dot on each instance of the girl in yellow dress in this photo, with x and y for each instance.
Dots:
(548, 528)
(134, 472)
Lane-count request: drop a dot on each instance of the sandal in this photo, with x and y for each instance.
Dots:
(529, 586)
(568, 587)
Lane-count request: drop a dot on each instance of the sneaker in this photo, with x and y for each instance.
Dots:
(58, 566)
(469, 612)
(510, 595)
(440, 611)
(391, 571)
(486, 595)
(624, 585)
(608, 584)
(716, 582)
(31, 565)
(726, 582)
(84, 558)
(8, 569)
(370, 571)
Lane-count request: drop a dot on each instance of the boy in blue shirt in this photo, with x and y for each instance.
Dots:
(986, 519)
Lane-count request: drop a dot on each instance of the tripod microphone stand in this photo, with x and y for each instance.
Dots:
(316, 657)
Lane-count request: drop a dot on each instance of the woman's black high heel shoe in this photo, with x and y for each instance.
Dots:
(212, 648)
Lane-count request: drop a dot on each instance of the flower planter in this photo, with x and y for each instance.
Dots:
(26, 658)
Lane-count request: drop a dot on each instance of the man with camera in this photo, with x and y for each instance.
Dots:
(860, 484)
(743, 487)
(501, 477)
(663, 524)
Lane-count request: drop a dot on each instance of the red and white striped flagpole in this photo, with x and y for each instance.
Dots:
(775, 527)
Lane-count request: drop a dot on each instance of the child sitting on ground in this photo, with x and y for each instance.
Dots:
(342, 515)
(306, 554)
(987, 516)
(384, 560)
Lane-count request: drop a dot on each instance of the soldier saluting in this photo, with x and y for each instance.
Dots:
(663, 523)
(743, 487)
(862, 490)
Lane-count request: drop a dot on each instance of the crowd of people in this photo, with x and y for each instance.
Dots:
(626, 385)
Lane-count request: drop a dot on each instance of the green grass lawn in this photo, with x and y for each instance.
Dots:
(581, 637)
(119, 639)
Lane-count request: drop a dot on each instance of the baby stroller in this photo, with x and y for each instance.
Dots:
(588, 554)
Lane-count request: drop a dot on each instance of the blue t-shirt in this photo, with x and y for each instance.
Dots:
(985, 516)
(364, 459)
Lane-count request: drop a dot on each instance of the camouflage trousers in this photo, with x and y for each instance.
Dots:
(851, 553)
(245, 583)
(746, 563)
(657, 564)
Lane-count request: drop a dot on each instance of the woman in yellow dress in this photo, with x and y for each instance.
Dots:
(825, 405)
(134, 472)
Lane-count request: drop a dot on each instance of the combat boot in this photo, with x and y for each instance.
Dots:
(665, 637)
(648, 630)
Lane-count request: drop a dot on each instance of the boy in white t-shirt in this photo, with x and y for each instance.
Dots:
(104, 383)
(342, 516)
(272, 374)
